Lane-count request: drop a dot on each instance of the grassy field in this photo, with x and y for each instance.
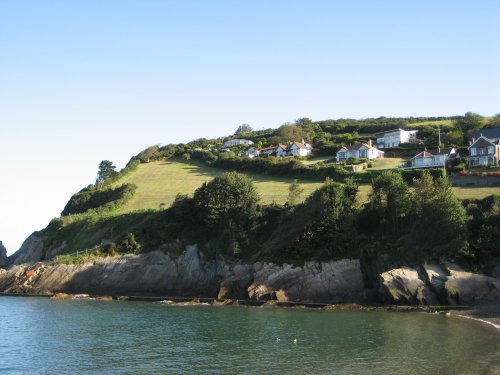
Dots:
(317, 159)
(443, 123)
(159, 182)
(386, 163)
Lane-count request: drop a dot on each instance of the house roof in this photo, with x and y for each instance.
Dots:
(424, 154)
(446, 151)
(395, 130)
(482, 141)
(357, 146)
(491, 133)
(300, 145)
(269, 148)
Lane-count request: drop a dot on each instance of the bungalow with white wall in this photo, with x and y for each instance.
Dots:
(433, 158)
(393, 138)
(299, 149)
(238, 142)
(281, 150)
(294, 149)
(359, 151)
(252, 152)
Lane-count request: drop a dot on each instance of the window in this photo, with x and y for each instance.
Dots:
(473, 152)
(490, 150)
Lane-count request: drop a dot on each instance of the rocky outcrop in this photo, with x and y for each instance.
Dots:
(31, 250)
(3, 255)
(436, 284)
(405, 286)
(465, 288)
(333, 282)
(191, 275)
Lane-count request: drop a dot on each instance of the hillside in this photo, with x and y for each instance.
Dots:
(159, 182)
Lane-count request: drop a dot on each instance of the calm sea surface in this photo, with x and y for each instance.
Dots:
(39, 336)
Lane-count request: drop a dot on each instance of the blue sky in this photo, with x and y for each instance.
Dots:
(83, 81)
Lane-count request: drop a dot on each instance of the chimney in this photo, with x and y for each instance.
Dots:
(370, 142)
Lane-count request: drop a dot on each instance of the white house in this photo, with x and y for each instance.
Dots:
(252, 152)
(484, 151)
(238, 142)
(433, 158)
(300, 149)
(393, 138)
(281, 150)
(358, 151)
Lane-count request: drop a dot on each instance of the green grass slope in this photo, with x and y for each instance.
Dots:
(159, 182)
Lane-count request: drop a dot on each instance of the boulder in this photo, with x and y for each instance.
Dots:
(235, 286)
(466, 288)
(436, 276)
(405, 286)
(329, 282)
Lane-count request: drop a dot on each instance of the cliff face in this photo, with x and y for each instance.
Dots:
(31, 250)
(3, 255)
(190, 275)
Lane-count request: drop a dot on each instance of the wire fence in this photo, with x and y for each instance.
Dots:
(79, 252)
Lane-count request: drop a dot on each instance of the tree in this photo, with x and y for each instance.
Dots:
(106, 170)
(294, 193)
(469, 122)
(389, 200)
(288, 132)
(227, 205)
(230, 196)
(242, 129)
(439, 218)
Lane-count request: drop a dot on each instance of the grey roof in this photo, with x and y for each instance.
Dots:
(395, 130)
(491, 133)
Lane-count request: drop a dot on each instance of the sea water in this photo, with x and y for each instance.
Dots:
(41, 336)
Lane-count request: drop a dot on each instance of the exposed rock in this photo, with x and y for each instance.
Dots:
(404, 286)
(235, 286)
(191, 275)
(331, 282)
(31, 251)
(465, 288)
(436, 278)
(3, 255)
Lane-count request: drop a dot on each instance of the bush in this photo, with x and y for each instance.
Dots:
(90, 198)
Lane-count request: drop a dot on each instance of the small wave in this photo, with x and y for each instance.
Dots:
(497, 326)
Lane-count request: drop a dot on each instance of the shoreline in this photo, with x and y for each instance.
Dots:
(489, 315)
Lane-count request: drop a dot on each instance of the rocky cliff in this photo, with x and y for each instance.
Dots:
(191, 275)
(3, 255)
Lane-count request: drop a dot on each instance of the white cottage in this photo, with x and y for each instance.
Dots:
(300, 149)
(393, 138)
(238, 142)
(433, 158)
(252, 152)
(359, 151)
(281, 150)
